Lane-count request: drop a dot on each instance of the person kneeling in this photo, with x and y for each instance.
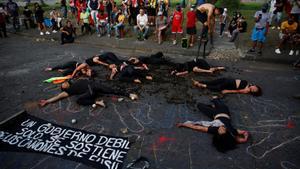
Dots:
(67, 33)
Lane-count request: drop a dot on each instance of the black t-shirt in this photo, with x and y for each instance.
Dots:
(78, 87)
(39, 14)
(70, 30)
(27, 13)
(200, 63)
(90, 61)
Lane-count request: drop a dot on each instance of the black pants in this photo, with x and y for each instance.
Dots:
(97, 90)
(210, 111)
(222, 28)
(110, 58)
(66, 38)
(87, 28)
(68, 67)
(128, 74)
(3, 29)
(30, 21)
(54, 24)
(221, 84)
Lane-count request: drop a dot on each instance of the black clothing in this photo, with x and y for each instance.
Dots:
(189, 66)
(211, 112)
(39, 15)
(65, 38)
(90, 90)
(27, 13)
(107, 57)
(155, 59)
(225, 84)
(78, 87)
(129, 73)
(201, 16)
(96, 89)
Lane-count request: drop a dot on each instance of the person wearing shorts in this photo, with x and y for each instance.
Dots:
(177, 23)
(191, 25)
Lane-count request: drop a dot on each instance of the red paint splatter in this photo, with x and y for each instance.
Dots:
(290, 124)
(114, 98)
(163, 139)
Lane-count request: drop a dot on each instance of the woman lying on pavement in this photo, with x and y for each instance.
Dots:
(229, 85)
(69, 67)
(225, 136)
(197, 66)
(88, 92)
(107, 59)
(144, 61)
(129, 73)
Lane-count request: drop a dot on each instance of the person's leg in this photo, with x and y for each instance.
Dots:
(146, 31)
(67, 65)
(235, 34)
(26, 23)
(4, 29)
(82, 28)
(62, 37)
(220, 107)
(159, 35)
(209, 111)
(86, 99)
(108, 29)
(222, 29)
(136, 31)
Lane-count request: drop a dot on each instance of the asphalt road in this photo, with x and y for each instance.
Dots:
(151, 120)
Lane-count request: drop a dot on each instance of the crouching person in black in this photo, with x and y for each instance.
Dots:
(67, 33)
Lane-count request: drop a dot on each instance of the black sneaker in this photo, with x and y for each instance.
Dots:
(251, 50)
(259, 52)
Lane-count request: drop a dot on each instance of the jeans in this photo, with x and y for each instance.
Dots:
(117, 27)
(145, 30)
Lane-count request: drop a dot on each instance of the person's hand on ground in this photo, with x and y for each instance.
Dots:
(100, 103)
(149, 77)
(133, 96)
(43, 103)
(137, 81)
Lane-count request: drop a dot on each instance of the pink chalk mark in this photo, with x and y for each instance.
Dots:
(290, 124)
(163, 139)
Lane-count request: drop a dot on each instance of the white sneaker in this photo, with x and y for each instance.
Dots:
(47, 33)
(291, 53)
(174, 42)
(54, 31)
(278, 51)
(278, 27)
(41, 33)
(297, 52)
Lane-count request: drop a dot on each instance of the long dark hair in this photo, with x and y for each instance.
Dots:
(258, 93)
(224, 142)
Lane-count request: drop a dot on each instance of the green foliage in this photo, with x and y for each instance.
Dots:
(230, 4)
(251, 6)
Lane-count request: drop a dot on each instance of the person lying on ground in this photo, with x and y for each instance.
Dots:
(225, 136)
(107, 59)
(229, 85)
(197, 66)
(69, 67)
(129, 73)
(88, 92)
(142, 62)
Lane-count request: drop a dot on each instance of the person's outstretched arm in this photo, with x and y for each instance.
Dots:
(98, 61)
(81, 66)
(58, 97)
(193, 126)
(242, 91)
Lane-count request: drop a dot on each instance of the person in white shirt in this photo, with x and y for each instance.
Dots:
(141, 29)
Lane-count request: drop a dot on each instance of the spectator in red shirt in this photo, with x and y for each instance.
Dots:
(191, 25)
(102, 19)
(177, 23)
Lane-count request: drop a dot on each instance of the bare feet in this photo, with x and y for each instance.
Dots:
(133, 96)
(100, 103)
(149, 78)
(137, 81)
(48, 69)
(198, 84)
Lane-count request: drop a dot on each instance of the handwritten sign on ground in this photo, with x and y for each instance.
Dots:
(27, 133)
